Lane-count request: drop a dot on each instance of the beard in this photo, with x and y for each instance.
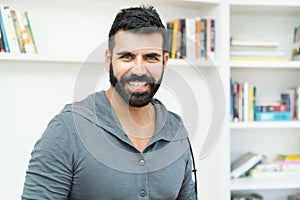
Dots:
(134, 99)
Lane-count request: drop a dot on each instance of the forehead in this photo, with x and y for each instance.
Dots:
(130, 41)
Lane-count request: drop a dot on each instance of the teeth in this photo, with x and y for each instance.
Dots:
(137, 83)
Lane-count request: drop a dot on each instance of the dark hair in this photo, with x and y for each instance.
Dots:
(139, 20)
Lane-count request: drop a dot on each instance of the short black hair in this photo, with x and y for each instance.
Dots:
(140, 19)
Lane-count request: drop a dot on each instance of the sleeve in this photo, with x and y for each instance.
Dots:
(49, 175)
(187, 191)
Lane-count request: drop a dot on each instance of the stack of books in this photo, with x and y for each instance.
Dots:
(274, 110)
(289, 163)
(284, 165)
(256, 48)
(15, 31)
(242, 166)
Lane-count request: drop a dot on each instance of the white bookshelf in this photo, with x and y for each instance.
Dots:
(275, 18)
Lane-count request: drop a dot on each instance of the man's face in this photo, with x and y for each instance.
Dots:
(136, 66)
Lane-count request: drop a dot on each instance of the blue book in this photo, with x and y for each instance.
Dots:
(273, 116)
(7, 49)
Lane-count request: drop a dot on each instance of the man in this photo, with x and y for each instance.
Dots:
(120, 143)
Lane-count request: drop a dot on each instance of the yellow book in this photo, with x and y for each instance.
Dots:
(289, 157)
(174, 39)
(251, 103)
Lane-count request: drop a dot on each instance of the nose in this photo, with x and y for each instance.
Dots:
(139, 67)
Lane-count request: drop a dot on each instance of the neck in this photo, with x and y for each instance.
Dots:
(140, 116)
(137, 123)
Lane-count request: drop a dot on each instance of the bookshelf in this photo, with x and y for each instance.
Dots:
(275, 19)
(50, 77)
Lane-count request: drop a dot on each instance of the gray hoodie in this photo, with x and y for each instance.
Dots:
(84, 154)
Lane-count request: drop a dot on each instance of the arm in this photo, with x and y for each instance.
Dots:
(49, 175)
(187, 191)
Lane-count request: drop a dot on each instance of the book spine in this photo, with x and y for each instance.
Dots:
(246, 101)
(198, 38)
(18, 31)
(2, 45)
(208, 38)
(174, 38)
(170, 26)
(212, 38)
(251, 103)
(4, 32)
(203, 39)
(32, 48)
(10, 29)
(273, 116)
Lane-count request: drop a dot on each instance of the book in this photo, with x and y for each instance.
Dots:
(249, 196)
(244, 164)
(257, 59)
(18, 30)
(273, 116)
(254, 41)
(258, 53)
(289, 157)
(2, 45)
(30, 47)
(10, 31)
(6, 46)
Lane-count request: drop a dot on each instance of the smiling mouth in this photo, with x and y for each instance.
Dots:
(138, 86)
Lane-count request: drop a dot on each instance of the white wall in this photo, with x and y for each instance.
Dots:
(33, 92)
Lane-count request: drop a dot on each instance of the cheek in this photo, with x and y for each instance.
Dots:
(156, 72)
(120, 69)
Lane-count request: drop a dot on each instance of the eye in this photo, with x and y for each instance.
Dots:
(126, 56)
(152, 58)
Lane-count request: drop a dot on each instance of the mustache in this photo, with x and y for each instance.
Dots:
(134, 77)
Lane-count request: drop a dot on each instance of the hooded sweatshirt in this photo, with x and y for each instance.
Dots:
(84, 154)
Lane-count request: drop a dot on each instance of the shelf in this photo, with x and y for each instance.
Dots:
(190, 62)
(265, 125)
(39, 58)
(262, 183)
(289, 7)
(265, 65)
(68, 59)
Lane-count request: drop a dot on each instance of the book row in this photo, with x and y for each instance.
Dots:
(15, 31)
(191, 38)
(244, 105)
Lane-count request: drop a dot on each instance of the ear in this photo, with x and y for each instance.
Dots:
(166, 58)
(107, 59)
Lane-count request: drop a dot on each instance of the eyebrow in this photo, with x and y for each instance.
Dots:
(153, 54)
